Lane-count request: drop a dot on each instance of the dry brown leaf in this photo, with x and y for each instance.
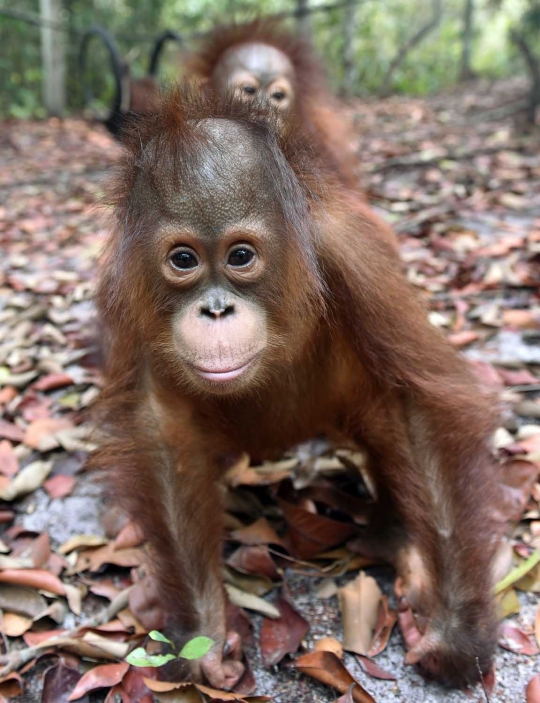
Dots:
(21, 600)
(329, 644)
(254, 560)
(103, 676)
(359, 604)
(326, 668)
(14, 625)
(251, 602)
(310, 534)
(386, 620)
(34, 578)
(259, 532)
(41, 434)
(82, 542)
(282, 635)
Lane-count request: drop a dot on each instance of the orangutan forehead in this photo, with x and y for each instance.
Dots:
(264, 61)
(222, 175)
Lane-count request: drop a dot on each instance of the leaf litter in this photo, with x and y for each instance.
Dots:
(465, 201)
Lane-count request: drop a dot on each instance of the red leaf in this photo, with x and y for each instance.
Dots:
(59, 486)
(283, 635)
(254, 560)
(104, 676)
(373, 669)
(52, 381)
(517, 378)
(311, 534)
(9, 464)
(386, 620)
(58, 682)
(10, 431)
(34, 578)
(514, 639)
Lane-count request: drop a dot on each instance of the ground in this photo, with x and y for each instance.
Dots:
(462, 188)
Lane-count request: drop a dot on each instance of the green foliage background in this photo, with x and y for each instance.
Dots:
(382, 26)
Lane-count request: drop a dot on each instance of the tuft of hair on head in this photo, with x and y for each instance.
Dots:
(162, 138)
(273, 32)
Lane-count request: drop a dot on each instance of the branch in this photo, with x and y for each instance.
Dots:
(533, 65)
(18, 658)
(412, 42)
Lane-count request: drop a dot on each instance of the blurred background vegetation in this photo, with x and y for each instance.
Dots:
(367, 45)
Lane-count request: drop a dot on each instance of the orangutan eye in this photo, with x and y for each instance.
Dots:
(249, 89)
(242, 256)
(183, 259)
(278, 95)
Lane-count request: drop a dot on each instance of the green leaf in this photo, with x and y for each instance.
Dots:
(518, 573)
(158, 637)
(139, 657)
(196, 648)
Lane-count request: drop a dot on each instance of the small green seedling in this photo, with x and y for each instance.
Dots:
(194, 649)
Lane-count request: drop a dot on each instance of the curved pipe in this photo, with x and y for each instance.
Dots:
(114, 120)
(155, 56)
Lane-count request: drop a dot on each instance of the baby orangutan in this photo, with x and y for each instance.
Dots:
(262, 60)
(249, 305)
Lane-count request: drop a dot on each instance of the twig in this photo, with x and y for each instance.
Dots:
(17, 659)
(482, 681)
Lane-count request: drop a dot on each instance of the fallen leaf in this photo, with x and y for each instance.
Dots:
(34, 578)
(82, 542)
(259, 532)
(58, 682)
(326, 668)
(52, 381)
(14, 625)
(59, 486)
(513, 638)
(373, 669)
(41, 434)
(359, 604)
(10, 431)
(103, 676)
(254, 560)
(329, 644)
(386, 620)
(251, 602)
(21, 600)
(9, 464)
(347, 697)
(311, 533)
(27, 480)
(282, 635)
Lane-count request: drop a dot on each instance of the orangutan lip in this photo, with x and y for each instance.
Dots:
(220, 376)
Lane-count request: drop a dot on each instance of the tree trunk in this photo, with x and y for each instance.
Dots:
(411, 43)
(533, 67)
(466, 72)
(302, 15)
(53, 57)
(349, 63)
